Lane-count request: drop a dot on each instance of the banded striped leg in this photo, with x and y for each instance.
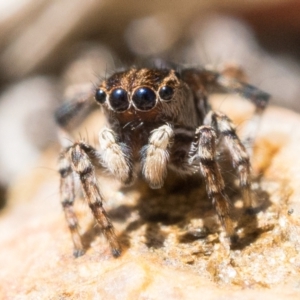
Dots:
(205, 146)
(76, 159)
(231, 79)
(155, 156)
(238, 153)
(258, 97)
(67, 200)
(82, 165)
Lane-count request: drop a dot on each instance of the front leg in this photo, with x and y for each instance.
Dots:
(81, 164)
(80, 159)
(155, 156)
(240, 158)
(204, 148)
(67, 196)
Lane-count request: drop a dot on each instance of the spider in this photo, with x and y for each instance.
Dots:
(159, 119)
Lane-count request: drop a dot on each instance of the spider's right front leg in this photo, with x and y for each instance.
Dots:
(67, 196)
(78, 159)
(81, 164)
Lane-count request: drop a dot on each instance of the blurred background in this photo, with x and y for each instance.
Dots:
(49, 46)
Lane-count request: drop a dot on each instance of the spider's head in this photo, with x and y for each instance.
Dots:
(138, 92)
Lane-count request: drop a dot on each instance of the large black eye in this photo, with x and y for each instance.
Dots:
(144, 98)
(118, 100)
(166, 93)
(100, 96)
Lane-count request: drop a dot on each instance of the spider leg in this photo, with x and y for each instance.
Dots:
(203, 82)
(240, 158)
(78, 159)
(155, 156)
(67, 196)
(81, 164)
(234, 79)
(204, 148)
(258, 97)
(66, 116)
(73, 111)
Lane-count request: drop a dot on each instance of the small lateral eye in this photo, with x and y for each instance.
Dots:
(166, 93)
(100, 96)
(144, 98)
(118, 100)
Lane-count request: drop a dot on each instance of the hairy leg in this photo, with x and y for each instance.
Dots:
(81, 164)
(204, 148)
(203, 82)
(240, 158)
(74, 110)
(67, 196)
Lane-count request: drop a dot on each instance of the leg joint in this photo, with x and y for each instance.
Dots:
(95, 205)
(66, 203)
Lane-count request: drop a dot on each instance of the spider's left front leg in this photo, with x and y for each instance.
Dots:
(202, 81)
(204, 149)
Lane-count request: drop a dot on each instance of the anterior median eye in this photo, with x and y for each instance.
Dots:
(100, 96)
(144, 98)
(166, 93)
(118, 100)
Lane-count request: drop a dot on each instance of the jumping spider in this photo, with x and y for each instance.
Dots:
(159, 119)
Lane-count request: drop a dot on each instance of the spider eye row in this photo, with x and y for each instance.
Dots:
(143, 98)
